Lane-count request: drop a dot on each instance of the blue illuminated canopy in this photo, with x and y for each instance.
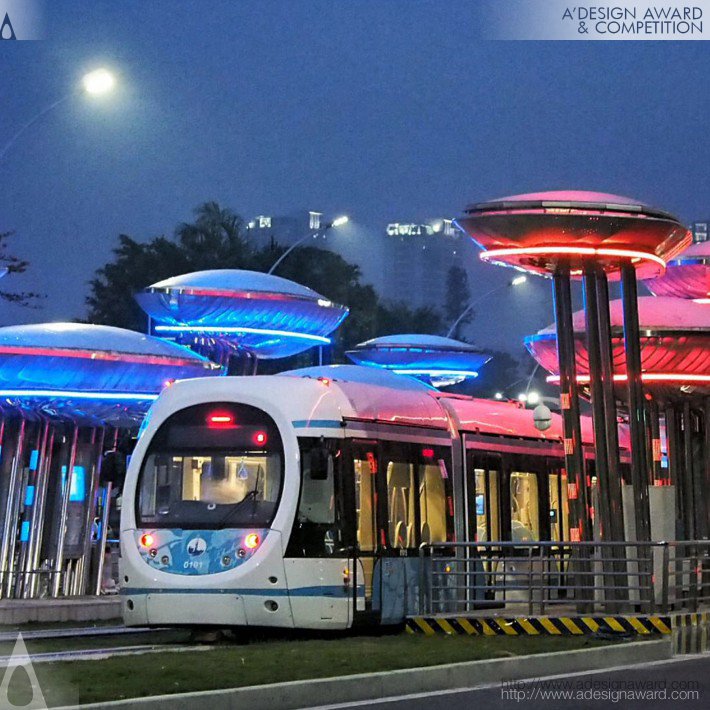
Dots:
(434, 358)
(267, 315)
(77, 370)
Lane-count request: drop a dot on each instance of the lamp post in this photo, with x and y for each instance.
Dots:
(514, 282)
(95, 83)
(339, 221)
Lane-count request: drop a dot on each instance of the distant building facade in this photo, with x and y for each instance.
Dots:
(418, 257)
(700, 231)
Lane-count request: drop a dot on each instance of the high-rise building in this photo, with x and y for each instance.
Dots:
(700, 231)
(417, 260)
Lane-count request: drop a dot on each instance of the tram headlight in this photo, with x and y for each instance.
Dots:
(147, 540)
(251, 541)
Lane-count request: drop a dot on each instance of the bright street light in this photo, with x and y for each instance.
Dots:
(337, 222)
(95, 83)
(99, 81)
(533, 398)
(519, 280)
(499, 395)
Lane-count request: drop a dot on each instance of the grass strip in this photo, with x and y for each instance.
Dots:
(257, 662)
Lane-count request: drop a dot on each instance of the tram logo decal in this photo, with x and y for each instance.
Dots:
(196, 547)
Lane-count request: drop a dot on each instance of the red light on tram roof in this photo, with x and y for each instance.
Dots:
(147, 540)
(220, 420)
(428, 453)
(260, 438)
(251, 541)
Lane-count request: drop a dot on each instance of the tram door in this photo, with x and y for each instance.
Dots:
(484, 472)
(402, 498)
(367, 523)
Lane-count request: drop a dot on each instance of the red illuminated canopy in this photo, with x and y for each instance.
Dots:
(534, 231)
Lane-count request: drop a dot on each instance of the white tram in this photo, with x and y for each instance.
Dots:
(300, 500)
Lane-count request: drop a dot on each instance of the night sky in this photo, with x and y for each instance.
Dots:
(386, 110)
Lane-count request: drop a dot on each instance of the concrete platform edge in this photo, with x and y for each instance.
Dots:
(371, 686)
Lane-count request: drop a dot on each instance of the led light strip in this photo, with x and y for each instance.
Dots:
(235, 329)
(646, 377)
(75, 394)
(573, 251)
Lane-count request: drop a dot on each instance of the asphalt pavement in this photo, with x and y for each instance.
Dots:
(683, 682)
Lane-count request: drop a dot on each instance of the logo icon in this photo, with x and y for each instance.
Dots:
(196, 547)
(7, 31)
(21, 659)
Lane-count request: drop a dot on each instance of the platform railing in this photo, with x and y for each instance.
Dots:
(542, 577)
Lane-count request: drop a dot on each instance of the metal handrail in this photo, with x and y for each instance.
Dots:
(624, 576)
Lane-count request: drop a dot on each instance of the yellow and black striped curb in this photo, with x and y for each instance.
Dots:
(539, 625)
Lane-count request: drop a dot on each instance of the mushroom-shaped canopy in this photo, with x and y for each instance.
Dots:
(687, 276)
(675, 341)
(75, 366)
(268, 315)
(535, 231)
(440, 360)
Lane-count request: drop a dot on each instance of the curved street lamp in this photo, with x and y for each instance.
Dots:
(95, 83)
(514, 282)
(338, 222)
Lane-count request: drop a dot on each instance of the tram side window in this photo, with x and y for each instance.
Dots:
(435, 503)
(401, 502)
(524, 507)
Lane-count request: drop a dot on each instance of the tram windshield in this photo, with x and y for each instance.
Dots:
(212, 466)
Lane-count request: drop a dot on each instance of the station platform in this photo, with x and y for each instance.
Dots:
(84, 608)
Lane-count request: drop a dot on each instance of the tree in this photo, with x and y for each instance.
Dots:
(458, 296)
(10, 264)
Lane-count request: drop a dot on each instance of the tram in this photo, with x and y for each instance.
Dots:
(300, 500)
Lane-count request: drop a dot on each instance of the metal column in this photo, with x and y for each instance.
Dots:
(611, 426)
(104, 527)
(9, 527)
(574, 455)
(38, 512)
(591, 309)
(59, 559)
(30, 517)
(637, 410)
(83, 578)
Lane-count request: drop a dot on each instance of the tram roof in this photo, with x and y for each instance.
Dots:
(322, 396)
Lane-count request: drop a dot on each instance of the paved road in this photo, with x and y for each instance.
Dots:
(688, 678)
